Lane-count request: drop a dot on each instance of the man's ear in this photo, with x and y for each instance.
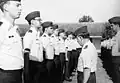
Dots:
(6, 6)
(32, 21)
(46, 29)
(117, 25)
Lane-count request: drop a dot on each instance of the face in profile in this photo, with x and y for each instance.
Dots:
(56, 31)
(13, 8)
(114, 26)
(50, 30)
(38, 22)
(80, 40)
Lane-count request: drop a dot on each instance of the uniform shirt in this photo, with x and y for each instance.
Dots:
(62, 45)
(11, 57)
(48, 46)
(32, 41)
(68, 44)
(88, 57)
(116, 45)
(55, 41)
(75, 44)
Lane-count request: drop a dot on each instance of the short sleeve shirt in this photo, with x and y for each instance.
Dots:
(88, 57)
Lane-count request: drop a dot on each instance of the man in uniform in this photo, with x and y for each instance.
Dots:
(115, 24)
(87, 62)
(34, 49)
(62, 37)
(11, 58)
(48, 49)
(55, 41)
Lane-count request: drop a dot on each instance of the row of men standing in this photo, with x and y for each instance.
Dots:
(38, 59)
(53, 56)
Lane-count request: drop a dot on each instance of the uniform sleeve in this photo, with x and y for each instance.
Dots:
(27, 40)
(87, 57)
(87, 61)
(119, 44)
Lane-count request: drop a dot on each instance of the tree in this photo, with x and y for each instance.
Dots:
(86, 18)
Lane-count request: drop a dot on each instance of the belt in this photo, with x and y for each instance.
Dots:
(82, 72)
(11, 71)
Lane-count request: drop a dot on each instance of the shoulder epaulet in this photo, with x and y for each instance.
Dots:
(1, 23)
(30, 31)
(86, 47)
(44, 35)
(52, 36)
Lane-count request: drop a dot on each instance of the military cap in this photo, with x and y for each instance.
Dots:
(1, 1)
(114, 20)
(69, 33)
(47, 24)
(55, 26)
(80, 30)
(32, 15)
(61, 31)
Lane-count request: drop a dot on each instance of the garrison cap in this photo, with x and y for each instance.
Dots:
(1, 1)
(32, 15)
(114, 20)
(80, 30)
(55, 26)
(69, 33)
(47, 24)
(61, 30)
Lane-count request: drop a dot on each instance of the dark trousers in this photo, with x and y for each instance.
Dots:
(10, 76)
(66, 69)
(106, 57)
(51, 70)
(92, 78)
(26, 68)
(75, 58)
(62, 61)
(116, 69)
(68, 65)
(57, 68)
(38, 72)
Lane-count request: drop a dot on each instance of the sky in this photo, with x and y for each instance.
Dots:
(69, 11)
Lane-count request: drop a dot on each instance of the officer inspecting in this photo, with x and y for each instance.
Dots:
(88, 58)
(48, 49)
(115, 43)
(11, 58)
(33, 49)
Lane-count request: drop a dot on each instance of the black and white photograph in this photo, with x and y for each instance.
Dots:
(59, 41)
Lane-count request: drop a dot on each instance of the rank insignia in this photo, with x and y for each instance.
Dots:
(30, 31)
(86, 47)
(1, 23)
(44, 35)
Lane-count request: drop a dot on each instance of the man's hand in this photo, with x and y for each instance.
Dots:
(86, 74)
